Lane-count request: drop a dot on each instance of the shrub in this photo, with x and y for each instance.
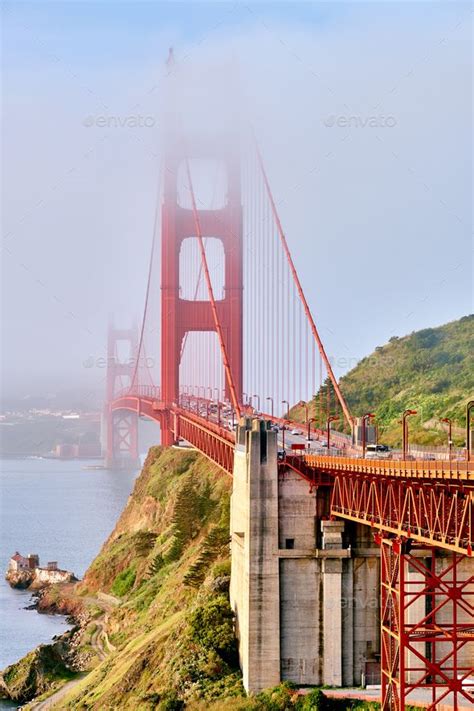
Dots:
(124, 582)
(212, 626)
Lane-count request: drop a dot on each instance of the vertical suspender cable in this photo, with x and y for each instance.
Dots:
(299, 288)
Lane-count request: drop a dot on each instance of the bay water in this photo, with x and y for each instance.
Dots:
(62, 511)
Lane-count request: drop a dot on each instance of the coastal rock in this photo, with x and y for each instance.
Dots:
(20, 579)
(39, 671)
(26, 572)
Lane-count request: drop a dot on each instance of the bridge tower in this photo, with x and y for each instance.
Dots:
(120, 426)
(181, 316)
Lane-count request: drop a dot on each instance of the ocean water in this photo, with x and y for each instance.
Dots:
(62, 512)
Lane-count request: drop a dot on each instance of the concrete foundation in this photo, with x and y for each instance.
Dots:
(299, 582)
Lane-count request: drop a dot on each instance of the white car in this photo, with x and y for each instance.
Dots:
(295, 432)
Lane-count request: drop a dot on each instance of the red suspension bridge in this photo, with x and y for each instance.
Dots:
(238, 339)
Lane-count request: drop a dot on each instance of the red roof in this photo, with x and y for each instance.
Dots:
(18, 557)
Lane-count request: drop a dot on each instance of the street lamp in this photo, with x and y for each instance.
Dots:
(311, 419)
(366, 417)
(406, 414)
(450, 433)
(271, 400)
(285, 422)
(258, 400)
(217, 390)
(285, 402)
(469, 408)
(331, 418)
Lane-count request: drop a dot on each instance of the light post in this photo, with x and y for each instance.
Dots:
(217, 390)
(366, 417)
(406, 414)
(450, 434)
(469, 408)
(283, 436)
(311, 419)
(258, 400)
(209, 390)
(207, 408)
(244, 398)
(285, 402)
(271, 400)
(331, 418)
(218, 412)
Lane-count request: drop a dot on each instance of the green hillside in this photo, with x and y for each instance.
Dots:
(431, 371)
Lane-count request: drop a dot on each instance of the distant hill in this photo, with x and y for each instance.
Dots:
(431, 371)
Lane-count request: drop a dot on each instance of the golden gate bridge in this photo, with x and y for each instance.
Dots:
(238, 339)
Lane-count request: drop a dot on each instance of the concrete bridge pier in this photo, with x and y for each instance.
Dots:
(255, 576)
(296, 582)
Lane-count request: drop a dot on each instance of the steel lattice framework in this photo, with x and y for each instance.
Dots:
(427, 649)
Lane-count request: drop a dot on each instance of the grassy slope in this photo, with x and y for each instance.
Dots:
(431, 371)
(166, 560)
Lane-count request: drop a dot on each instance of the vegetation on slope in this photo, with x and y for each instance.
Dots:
(431, 371)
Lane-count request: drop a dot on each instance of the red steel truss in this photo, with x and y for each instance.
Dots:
(434, 514)
(216, 443)
(430, 649)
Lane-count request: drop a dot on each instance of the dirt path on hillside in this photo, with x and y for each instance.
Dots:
(102, 646)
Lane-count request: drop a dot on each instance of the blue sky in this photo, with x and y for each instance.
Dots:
(382, 216)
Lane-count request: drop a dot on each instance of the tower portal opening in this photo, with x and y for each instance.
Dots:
(192, 281)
